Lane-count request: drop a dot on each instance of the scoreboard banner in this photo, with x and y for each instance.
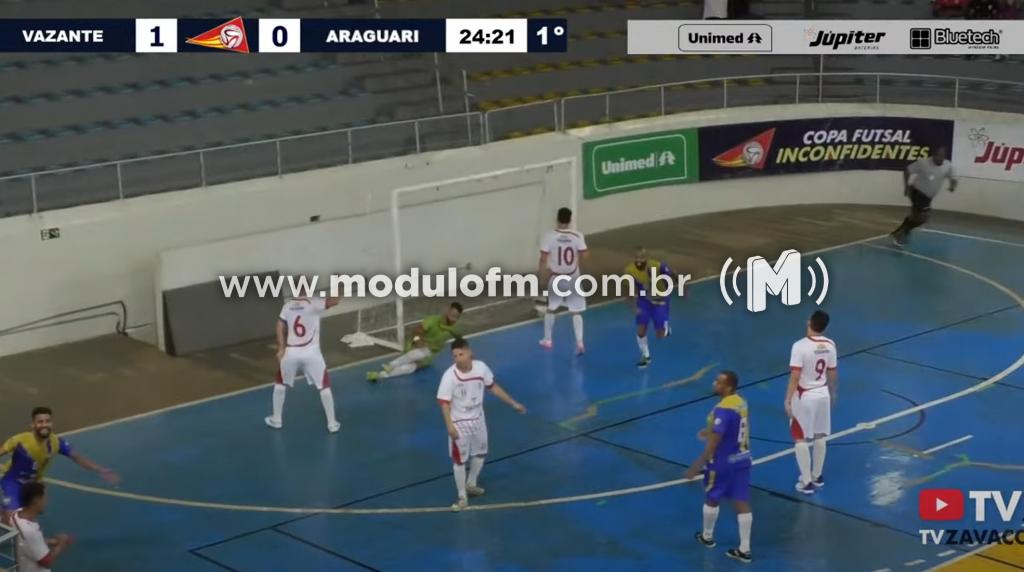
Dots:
(286, 35)
(816, 145)
(800, 37)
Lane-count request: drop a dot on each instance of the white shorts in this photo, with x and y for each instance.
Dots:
(575, 301)
(307, 361)
(472, 441)
(812, 414)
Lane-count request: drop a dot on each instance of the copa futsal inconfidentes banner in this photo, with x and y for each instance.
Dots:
(817, 145)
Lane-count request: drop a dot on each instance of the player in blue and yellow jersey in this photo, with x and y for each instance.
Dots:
(649, 307)
(31, 453)
(726, 464)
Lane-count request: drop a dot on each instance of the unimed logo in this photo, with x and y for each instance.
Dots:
(952, 505)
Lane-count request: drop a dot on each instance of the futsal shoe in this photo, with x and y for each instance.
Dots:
(896, 241)
(372, 375)
(459, 505)
(474, 491)
(333, 427)
(707, 542)
(271, 423)
(807, 489)
(580, 350)
(736, 553)
(643, 363)
(818, 482)
(546, 344)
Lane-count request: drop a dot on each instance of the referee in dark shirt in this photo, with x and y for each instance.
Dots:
(929, 173)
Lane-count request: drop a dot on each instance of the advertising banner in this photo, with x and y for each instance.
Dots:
(816, 145)
(639, 162)
(989, 151)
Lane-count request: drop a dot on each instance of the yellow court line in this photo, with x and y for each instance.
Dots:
(867, 425)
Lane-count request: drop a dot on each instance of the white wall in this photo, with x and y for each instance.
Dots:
(111, 251)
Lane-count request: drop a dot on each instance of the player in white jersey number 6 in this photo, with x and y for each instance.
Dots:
(461, 397)
(298, 352)
(810, 396)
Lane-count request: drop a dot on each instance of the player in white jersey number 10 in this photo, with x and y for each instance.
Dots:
(461, 397)
(813, 382)
(562, 250)
(298, 353)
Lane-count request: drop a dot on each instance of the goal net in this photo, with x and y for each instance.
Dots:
(469, 224)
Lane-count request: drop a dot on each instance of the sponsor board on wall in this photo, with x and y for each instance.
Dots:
(639, 161)
(815, 145)
(798, 37)
(987, 151)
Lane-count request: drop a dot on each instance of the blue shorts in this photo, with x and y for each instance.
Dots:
(649, 311)
(10, 492)
(731, 484)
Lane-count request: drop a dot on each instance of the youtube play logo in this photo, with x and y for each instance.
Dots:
(940, 504)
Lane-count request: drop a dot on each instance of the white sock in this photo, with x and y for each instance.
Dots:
(327, 399)
(577, 327)
(280, 390)
(645, 351)
(710, 516)
(803, 460)
(819, 457)
(476, 464)
(745, 521)
(549, 324)
(403, 369)
(460, 479)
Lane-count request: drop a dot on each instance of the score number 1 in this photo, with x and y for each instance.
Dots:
(548, 35)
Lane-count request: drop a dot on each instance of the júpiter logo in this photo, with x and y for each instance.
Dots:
(725, 38)
(858, 40)
(951, 504)
(928, 38)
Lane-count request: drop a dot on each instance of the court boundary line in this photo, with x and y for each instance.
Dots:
(972, 237)
(868, 425)
(364, 361)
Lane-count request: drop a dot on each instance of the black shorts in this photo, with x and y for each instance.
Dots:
(919, 202)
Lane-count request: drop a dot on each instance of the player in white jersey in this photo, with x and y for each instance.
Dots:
(36, 553)
(298, 352)
(561, 252)
(461, 397)
(810, 396)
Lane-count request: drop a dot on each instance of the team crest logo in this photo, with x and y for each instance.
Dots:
(752, 153)
(228, 36)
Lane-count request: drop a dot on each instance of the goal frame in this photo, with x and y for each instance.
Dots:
(396, 228)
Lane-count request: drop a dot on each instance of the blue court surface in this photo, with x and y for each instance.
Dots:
(930, 342)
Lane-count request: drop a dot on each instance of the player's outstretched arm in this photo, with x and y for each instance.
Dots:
(709, 451)
(7, 447)
(498, 391)
(106, 474)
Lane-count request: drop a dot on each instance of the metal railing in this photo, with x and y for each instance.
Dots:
(765, 89)
(113, 180)
(58, 188)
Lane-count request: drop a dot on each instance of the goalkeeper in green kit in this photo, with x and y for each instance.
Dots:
(429, 338)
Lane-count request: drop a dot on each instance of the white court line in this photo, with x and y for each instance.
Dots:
(972, 237)
(963, 556)
(496, 329)
(946, 553)
(949, 444)
(914, 563)
(883, 570)
(599, 495)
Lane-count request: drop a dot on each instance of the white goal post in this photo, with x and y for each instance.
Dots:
(518, 200)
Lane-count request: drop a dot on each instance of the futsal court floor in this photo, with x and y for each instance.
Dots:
(931, 394)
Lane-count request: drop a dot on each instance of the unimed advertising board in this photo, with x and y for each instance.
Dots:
(639, 162)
